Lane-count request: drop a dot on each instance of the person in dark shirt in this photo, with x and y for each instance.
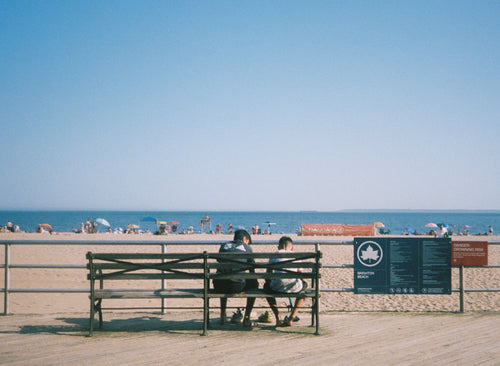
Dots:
(240, 244)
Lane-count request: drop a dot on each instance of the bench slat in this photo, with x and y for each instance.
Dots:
(268, 276)
(119, 256)
(185, 293)
(162, 266)
(260, 294)
(264, 265)
(292, 255)
(149, 276)
(147, 294)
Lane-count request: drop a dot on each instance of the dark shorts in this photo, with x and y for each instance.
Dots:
(231, 287)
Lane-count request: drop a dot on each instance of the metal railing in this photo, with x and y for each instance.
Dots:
(7, 265)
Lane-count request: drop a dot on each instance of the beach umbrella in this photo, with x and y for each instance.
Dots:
(148, 218)
(466, 226)
(174, 222)
(444, 225)
(378, 224)
(46, 226)
(431, 224)
(102, 221)
(133, 226)
(161, 222)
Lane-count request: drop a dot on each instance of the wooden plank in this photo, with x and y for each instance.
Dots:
(162, 266)
(149, 276)
(277, 266)
(261, 294)
(148, 294)
(120, 256)
(263, 275)
(292, 255)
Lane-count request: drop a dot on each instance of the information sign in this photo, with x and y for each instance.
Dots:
(469, 253)
(402, 265)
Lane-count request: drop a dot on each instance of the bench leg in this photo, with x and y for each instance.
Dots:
(91, 320)
(316, 315)
(206, 318)
(98, 307)
(313, 313)
(208, 313)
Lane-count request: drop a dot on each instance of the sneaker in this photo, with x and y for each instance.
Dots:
(237, 317)
(265, 317)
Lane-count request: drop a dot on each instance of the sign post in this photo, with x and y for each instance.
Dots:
(402, 265)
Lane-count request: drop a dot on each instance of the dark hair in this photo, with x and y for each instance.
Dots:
(283, 242)
(240, 234)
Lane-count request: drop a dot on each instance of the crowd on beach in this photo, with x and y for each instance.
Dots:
(443, 232)
(163, 228)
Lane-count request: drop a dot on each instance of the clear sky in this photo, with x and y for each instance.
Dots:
(250, 105)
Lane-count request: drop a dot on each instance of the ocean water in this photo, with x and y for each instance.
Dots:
(283, 222)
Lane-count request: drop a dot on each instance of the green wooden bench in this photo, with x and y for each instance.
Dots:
(197, 270)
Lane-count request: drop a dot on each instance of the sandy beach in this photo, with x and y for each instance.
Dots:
(51, 328)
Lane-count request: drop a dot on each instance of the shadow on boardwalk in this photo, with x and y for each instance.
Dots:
(174, 338)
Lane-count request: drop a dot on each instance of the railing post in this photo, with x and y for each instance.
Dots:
(316, 298)
(462, 290)
(163, 251)
(6, 278)
(206, 285)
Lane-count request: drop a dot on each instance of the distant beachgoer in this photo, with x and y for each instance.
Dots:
(442, 231)
(218, 228)
(230, 228)
(490, 230)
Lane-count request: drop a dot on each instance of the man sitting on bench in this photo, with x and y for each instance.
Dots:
(285, 285)
(240, 244)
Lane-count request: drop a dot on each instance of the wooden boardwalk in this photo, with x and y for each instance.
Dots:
(174, 339)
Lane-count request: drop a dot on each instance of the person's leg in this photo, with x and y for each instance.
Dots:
(298, 304)
(274, 307)
(222, 286)
(247, 322)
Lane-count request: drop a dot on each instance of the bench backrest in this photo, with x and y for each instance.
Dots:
(151, 266)
(145, 266)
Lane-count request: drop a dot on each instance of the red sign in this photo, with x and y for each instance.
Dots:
(469, 253)
(337, 229)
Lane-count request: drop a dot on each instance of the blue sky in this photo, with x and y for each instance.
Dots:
(250, 105)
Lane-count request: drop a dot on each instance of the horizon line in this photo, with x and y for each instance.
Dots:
(256, 210)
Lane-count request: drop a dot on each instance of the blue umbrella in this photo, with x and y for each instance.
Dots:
(148, 218)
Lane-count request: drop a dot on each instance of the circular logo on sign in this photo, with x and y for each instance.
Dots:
(369, 253)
